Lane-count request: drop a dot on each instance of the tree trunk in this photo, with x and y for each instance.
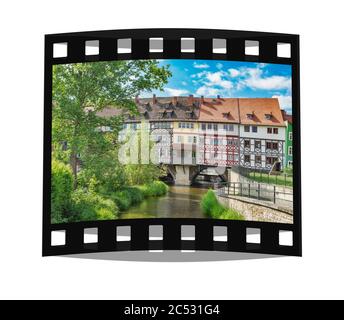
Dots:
(74, 162)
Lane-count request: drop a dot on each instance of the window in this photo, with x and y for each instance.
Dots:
(179, 125)
(270, 160)
(258, 159)
(254, 129)
(191, 125)
(290, 136)
(183, 125)
(188, 125)
(274, 146)
(275, 130)
(246, 143)
(247, 158)
(250, 116)
(257, 144)
(290, 163)
(194, 139)
(247, 128)
(215, 126)
(225, 127)
(194, 154)
(190, 139)
(216, 141)
(204, 127)
(290, 151)
(230, 127)
(133, 126)
(269, 130)
(268, 145)
(210, 126)
(201, 140)
(179, 139)
(268, 116)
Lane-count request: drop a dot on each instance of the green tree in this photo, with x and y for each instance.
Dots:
(61, 190)
(80, 91)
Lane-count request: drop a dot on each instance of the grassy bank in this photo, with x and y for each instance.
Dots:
(281, 179)
(212, 208)
(90, 204)
(134, 195)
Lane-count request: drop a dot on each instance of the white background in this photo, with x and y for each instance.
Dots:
(25, 274)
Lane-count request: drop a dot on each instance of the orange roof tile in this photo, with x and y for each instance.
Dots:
(219, 110)
(260, 111)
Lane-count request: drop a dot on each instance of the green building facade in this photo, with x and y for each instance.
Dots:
(289, 144)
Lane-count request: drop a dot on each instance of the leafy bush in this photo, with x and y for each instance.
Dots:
(214, 209)
(92, 206)
(154, 189)
(122, 199)
(61, 190)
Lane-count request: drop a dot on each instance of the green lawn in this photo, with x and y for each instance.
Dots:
(272, 179)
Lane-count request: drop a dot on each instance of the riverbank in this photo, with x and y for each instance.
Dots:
(214, 209)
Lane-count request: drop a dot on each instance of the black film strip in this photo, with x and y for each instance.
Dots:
(172, 44)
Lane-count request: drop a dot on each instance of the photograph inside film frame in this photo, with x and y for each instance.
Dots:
(172, 138)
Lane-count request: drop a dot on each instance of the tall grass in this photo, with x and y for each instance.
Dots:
(212, 208)
(134, 195)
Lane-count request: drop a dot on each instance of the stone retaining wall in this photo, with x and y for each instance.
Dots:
(255, 210)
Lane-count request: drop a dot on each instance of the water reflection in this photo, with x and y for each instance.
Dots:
(179, 202)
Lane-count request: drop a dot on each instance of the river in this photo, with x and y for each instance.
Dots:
(179, 202)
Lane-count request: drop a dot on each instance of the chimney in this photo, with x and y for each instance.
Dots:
(137, 101)
(190, 100)
(218, 96)
(174, 101)
(202, 99)
(154, 99)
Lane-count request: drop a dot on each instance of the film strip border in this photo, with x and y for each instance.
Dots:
(200, 234)
(172, 44)
(172, 234)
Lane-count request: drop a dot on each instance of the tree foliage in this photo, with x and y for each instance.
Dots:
(86, 169)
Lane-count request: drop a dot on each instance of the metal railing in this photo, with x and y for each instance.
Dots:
(263, 192)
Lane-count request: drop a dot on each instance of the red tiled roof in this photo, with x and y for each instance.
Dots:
(260, 111)
(219, 110)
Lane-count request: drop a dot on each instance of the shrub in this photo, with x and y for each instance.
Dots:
(154, 189)
(212, 208)
(91, 206)
(61, 189)
(135, 194)
(122, 199)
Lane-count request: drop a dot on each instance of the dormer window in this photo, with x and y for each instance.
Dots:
(226, 114)
(250, 116)
(268, 116)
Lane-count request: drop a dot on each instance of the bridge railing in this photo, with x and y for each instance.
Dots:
(264, 192)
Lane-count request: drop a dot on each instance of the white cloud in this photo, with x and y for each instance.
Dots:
(284, 101)
(199, 74)
(207, 91)
(234, 72)
(176, 92)
(268, 83)
(254, 78)
(200, 65)
(184, 83)
(226, 84)
(186, 69)
(219, 65)
(216, 79)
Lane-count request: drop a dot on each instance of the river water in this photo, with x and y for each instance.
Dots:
(179, 202)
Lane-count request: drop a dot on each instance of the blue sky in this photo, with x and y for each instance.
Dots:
(229, 79)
